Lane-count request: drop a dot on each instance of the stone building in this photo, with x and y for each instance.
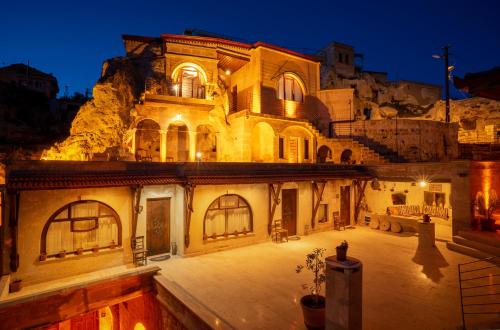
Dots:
(200, 144)
(23, 75)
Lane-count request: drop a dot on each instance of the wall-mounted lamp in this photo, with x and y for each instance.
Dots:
(422, 183)
(198, 156)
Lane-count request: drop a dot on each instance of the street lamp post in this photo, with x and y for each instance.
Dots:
(447, 70)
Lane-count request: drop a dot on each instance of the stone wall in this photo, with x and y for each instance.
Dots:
(414, 140)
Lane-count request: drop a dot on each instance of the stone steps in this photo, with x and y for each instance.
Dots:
(369, 155)
(467, 250)
(491, 250)
(488, 238)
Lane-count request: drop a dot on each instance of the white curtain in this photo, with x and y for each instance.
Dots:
(238, 220)
(215, 222)
(60, 237)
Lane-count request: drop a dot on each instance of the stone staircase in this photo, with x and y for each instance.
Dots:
(478, 244)
(380, 148)
(368, 155)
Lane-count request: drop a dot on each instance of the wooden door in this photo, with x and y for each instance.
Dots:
(289, 210)
(293, 152)
(345, 204)
(158, 225)
(89, 321)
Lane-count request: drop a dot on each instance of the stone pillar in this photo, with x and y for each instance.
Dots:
(192, 146)
(426, 234)
(163, 145)
(344, 281)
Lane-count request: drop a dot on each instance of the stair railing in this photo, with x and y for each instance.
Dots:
(479, 283)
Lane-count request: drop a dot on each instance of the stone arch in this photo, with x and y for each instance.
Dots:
(289, 86)
(263, 142)
(324, 154)
(346, 156)
(147, 140)
(177, 142)
(189, 80)
(206, 143)
(299, 142)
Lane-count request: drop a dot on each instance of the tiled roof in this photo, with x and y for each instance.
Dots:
(41, 175)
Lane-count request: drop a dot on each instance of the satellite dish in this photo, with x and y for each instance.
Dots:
(375, 184)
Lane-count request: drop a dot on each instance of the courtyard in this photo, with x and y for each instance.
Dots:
(256, 287)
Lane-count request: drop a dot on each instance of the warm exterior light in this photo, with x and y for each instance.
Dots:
(422, 183)
(228, 72)
(176, 87)
(139, 326)
(198, 156)
(178, 117)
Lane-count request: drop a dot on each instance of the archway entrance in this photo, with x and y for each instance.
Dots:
(177, 142)
(346, 156)
(147, 141)
(324, 154)
(263, 143)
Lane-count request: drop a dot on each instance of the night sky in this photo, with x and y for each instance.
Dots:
(71, 39)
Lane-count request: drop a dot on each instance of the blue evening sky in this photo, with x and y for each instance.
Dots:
(71, 39)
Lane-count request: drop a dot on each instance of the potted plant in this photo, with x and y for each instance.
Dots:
(426, 218)
(112, 245)
(79, 251)
(342, 251)
(15, 286)
(313, 305)
(95, 249)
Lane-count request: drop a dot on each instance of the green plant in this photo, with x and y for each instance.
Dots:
(344, 245)
(315, 263)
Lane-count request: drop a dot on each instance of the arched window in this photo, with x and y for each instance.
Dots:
(290, 88)
(227, 215)
(189, 81)
(81, 226)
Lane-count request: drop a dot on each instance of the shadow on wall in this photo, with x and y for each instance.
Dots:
(311, 109)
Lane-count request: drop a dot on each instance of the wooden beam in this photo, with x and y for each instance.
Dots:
(274, 201)
(188, 210)
(317, 195)
(359, 195)
(136, 208)
(46, 308)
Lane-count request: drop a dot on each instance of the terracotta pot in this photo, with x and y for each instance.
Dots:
(15, 286)
(61, 254)
(341, 253)
(79, 251)
(314, 312)
(95, 249)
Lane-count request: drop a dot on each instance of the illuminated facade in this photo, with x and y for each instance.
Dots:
(226, 139)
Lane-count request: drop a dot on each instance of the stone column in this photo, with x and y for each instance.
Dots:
(343, 294)
(163, 145)
(426, 234)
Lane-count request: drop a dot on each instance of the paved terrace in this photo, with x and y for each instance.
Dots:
(256, 287)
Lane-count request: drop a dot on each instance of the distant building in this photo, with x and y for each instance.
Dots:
(340, 57)
(28, 77)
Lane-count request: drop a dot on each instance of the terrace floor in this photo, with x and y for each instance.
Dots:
(256, 287)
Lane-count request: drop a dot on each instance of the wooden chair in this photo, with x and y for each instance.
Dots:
(338, 223)
(279, 232)
(139, 253)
